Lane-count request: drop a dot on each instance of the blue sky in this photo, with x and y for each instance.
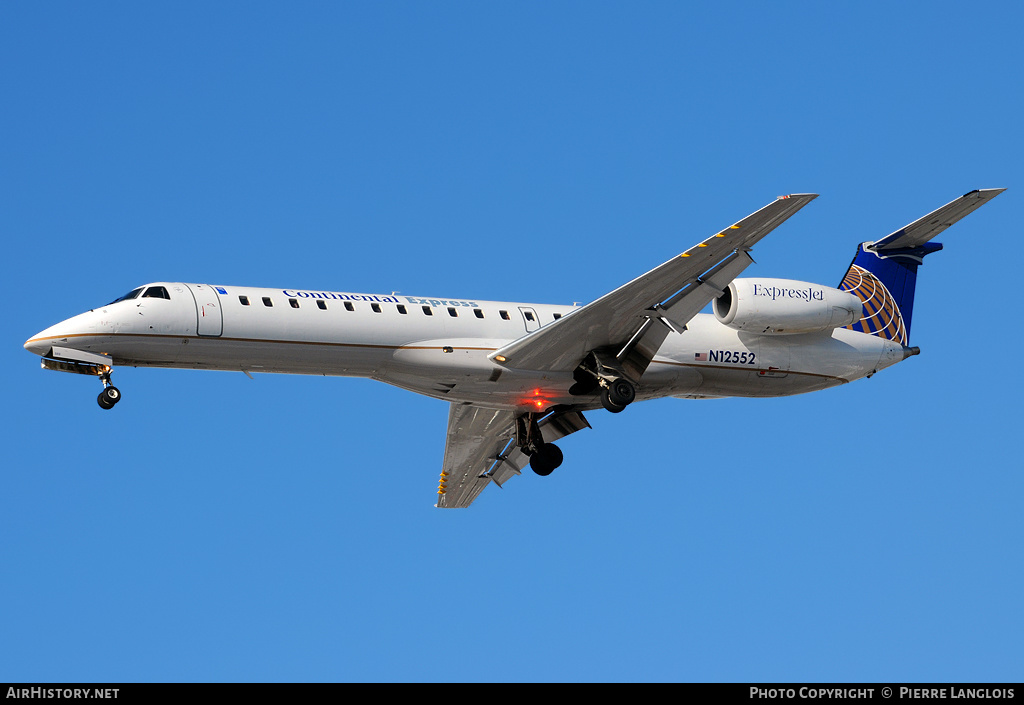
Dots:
(217, 528)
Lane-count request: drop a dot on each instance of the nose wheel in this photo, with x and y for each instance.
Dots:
(110, 394)
(108, 397)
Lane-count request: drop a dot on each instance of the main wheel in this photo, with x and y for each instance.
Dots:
(607, 403)
(621, 392)
(545, 459)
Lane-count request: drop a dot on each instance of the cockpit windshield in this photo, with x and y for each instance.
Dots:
(156, 292)
(134, 293)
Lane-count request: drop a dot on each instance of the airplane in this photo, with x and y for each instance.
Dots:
(519, 376)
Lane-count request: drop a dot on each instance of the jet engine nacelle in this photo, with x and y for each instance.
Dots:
(785, 307)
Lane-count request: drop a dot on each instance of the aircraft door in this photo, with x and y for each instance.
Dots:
(529, 318)
(208, 310)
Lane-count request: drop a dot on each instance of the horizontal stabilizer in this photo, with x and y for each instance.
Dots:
(924, 229)
(883, 274)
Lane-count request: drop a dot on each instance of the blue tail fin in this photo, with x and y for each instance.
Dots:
(883, 274)
(885, 284)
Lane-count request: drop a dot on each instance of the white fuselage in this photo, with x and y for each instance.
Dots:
(440, 347)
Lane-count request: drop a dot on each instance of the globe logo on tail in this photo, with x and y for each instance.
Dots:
(881, 315)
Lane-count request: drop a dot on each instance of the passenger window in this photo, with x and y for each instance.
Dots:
(401, 309)
(156, 292)
(428, 311)
(453, 312)
(244, 300)
(349, 306)
(267, 302)
(321, 304)
(375, 307)
(504, 315)
(478, 313)
(529, 315)
(294, 303)
(556, 316)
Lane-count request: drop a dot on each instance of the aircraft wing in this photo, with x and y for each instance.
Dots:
(480, 449)
(673, 292)
(924, 229)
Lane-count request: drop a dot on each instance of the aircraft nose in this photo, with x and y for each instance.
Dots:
(37, 346)
(61, 333)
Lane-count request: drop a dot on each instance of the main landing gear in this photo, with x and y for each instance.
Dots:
(110, 394)
(544, 457)
(602, 370)
(617, 395)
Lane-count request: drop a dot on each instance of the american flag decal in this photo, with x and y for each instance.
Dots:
(700, 357)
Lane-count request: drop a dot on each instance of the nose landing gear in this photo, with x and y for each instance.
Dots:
(85, 363)
(110, 394)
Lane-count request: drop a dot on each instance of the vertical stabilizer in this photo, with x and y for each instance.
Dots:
(885, 285)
